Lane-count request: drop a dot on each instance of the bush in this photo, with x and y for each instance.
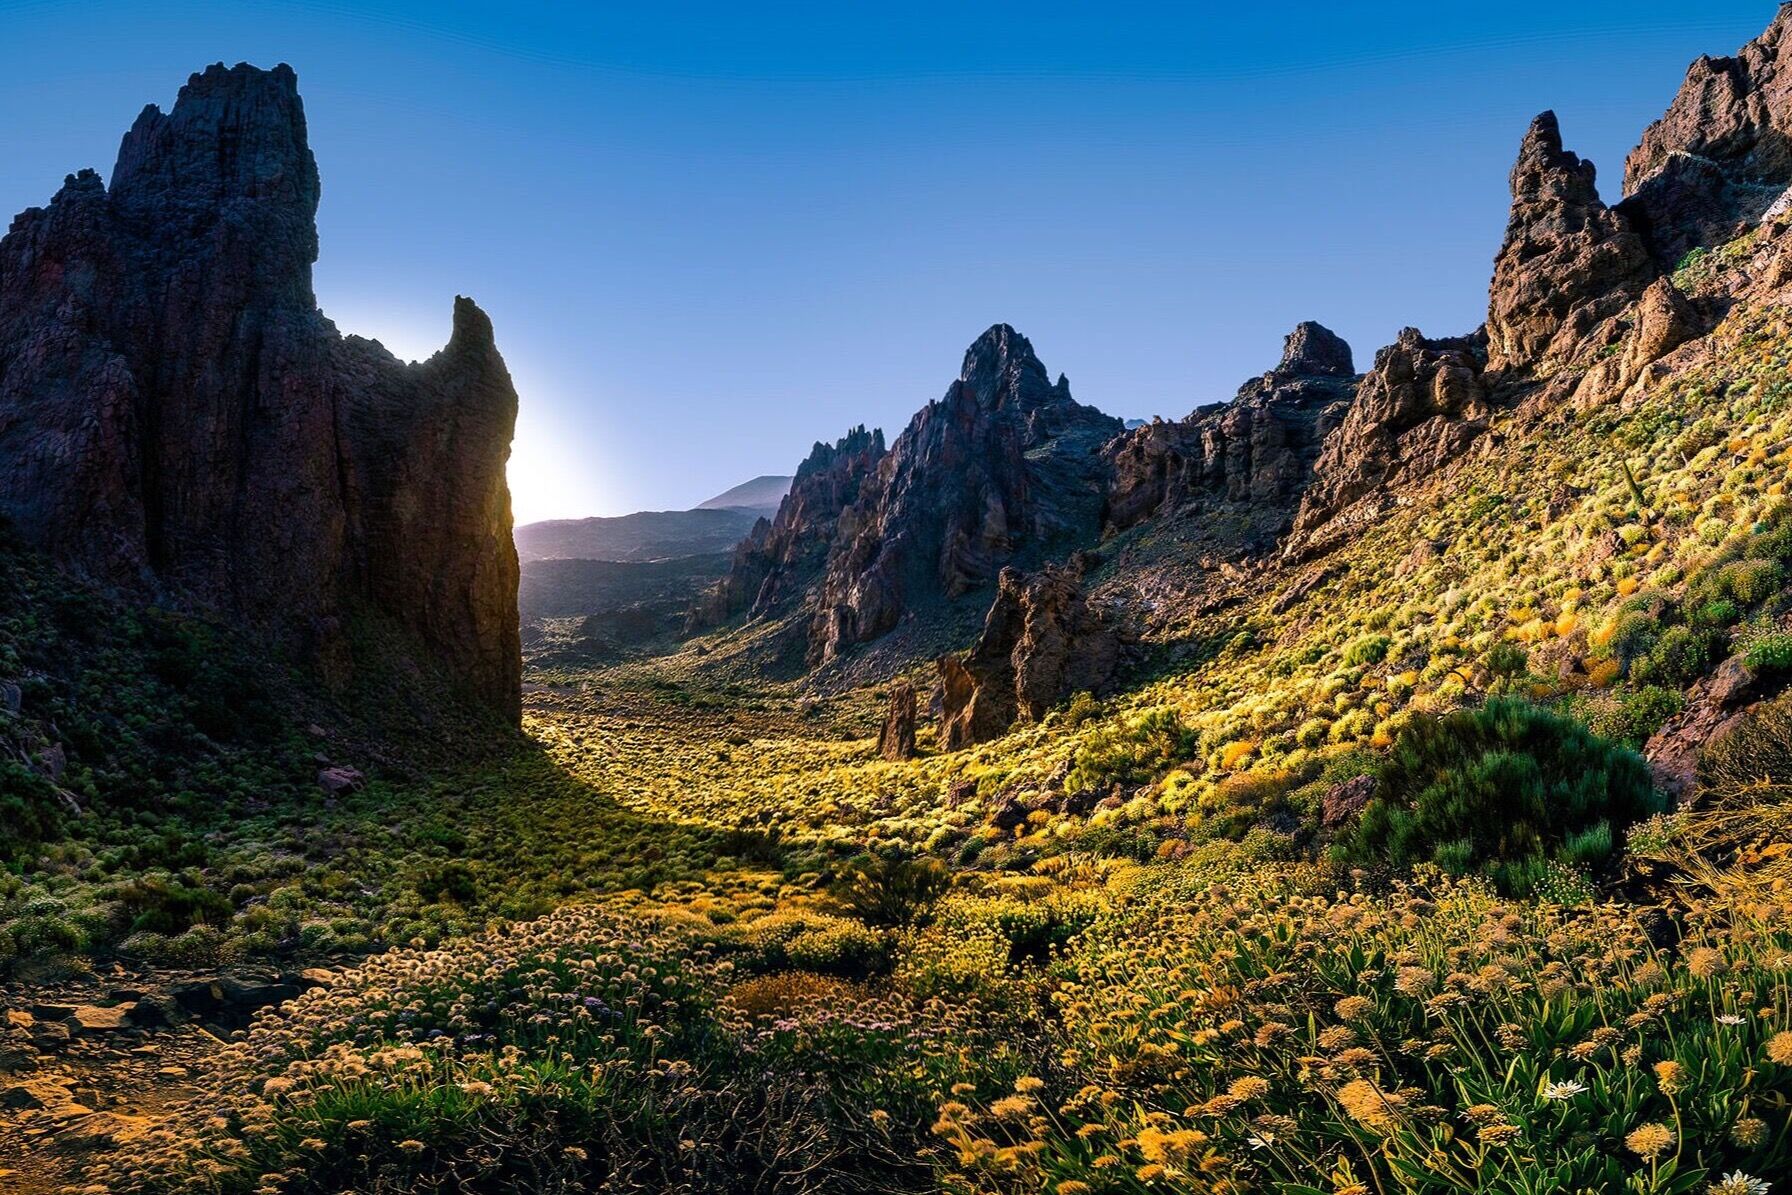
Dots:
(891, 892)
(1500, 791)
(1370, 649)
(1756, 751)
(1680, 656)
(1771, 652)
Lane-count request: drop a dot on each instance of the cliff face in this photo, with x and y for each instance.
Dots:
(782, 556)
(177, 417)
(1258, 449)
(1721, 156)
(1007, 461)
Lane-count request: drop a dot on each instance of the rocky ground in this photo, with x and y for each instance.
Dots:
(91, 1064)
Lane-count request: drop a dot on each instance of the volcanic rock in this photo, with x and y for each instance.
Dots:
(1257, 449)
(1721, 156)
(1006, 462)
(781, 557)
(1568, 263)
(179, 419)
(897, 741)
(1042, 641)
(1415, 411)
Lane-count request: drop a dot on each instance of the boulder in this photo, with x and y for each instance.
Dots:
(339, 780)
(1345, 800)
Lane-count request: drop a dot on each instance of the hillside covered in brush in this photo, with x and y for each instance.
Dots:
(1379, 782)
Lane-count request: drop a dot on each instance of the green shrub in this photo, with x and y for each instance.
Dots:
(1500, 791)
(1771, 652)
(891, 892)
(1370, 649)
(1680, 656)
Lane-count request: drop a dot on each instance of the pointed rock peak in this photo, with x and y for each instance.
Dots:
(855, 441)
(1000, 344)
(1001, 366)
(472, 327)
(234, 133)
(1545, 170)
(1313, 350)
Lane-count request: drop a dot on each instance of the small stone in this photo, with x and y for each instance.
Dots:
(94, 1019)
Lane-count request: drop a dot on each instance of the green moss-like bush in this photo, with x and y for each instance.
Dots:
(1500, 791)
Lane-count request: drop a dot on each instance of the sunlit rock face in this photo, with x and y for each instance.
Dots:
(177, 417)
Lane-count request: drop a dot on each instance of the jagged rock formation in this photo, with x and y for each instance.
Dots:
(1042, 641)
(1005, 462)
(1568, 264)
(1418, 408)
(897, 739)
(176, 416)
(1721, 156)
(1259, 448)
(781, 557)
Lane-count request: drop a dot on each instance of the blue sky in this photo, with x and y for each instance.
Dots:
(710, 234)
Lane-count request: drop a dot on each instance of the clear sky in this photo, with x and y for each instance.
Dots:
(710, 234)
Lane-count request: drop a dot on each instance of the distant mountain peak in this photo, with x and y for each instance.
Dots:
(761, 493)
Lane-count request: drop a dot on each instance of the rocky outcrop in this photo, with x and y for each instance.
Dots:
(1042, 641)
(1659, 322)
(1721, 157)
(177, 417)
(1005, 465)
(1415, 411)
(897, 739)
(783, 556)
(1569, 263)
(1257, 449)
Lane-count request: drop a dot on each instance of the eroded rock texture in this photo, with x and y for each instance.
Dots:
(177, 417)
(1259, 448)
(1006, 462)
(781, 557)
(1721, 157)
(1569, 263)
(1417, 409)
(1042, 641)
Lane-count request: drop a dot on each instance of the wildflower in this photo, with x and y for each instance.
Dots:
(411, 1146)
(1565, 1090)
(1072, 1187)
(1414, 981)
(1370, 1106)
(1249, 1087)
(1013, 1106)
(1670, 1075)
(1704, 963)
(575, 1153)
(1497, 1134)
(1779, 1048)
(1750, 1132)
(1650, 1141)
(1738, 1183)
(1353, 1008)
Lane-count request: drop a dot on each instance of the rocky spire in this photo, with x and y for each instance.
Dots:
(177, 416)
(1568, 261)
